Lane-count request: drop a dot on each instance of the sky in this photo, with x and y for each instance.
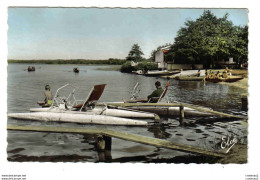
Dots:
(97, 33)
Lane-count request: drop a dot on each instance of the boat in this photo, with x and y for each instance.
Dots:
(68, 109)
(75, 70)
(189, 78)
(165, 109)
(139, 72)
(160, 73)
(77, 118)
(228, 80)
(162, 109)
(31, 68)
(100, 109)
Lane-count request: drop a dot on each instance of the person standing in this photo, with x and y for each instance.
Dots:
(48, 96)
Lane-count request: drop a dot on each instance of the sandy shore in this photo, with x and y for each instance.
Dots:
(238, 155)
(242, 83)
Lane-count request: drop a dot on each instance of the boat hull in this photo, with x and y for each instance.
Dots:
(101, 111)
(77, 118)
(189, 78)
(163, 110)
(168, 73)
(172, 111)
(228, 80)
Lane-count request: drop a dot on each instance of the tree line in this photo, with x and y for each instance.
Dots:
(110, 61)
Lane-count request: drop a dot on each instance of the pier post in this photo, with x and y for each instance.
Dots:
(181, 115)
(100, 143)
(244, 103)
(104, 144)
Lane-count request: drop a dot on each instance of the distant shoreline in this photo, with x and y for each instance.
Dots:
(77, 61)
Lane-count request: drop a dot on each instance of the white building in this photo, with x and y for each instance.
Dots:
(159, 57)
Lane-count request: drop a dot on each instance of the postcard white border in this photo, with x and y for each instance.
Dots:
(38, 171)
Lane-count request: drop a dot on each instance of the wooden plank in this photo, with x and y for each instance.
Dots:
(121, 135)
(211, 111)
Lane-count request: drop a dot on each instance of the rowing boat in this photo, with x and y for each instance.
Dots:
(228, 80)
(189, 78)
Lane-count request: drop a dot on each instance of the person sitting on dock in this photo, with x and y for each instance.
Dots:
(153, 97)
(198, 73)
(48, 96)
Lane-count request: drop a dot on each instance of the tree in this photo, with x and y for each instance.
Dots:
(240, 48)
(135, 54)
(208, 39)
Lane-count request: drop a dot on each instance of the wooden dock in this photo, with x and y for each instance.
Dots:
(122, 135)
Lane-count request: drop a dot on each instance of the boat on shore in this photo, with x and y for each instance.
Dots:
(160, 73)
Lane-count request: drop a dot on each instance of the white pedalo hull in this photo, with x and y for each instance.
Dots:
(76, 118)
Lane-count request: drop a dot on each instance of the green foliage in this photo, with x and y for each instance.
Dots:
(135, 54)
(127, 68)
(209, 38)
(144, 65)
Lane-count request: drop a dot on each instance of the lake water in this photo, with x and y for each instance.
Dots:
(26, 88)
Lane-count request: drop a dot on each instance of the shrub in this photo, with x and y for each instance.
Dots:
(126, 67)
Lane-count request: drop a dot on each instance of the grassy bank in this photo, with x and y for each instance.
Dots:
(73, 61)
(142, 65)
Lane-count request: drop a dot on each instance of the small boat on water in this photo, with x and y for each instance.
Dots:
(76, 70)
(31, 68)
(228, 80)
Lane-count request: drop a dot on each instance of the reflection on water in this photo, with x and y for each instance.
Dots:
(26, 88)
